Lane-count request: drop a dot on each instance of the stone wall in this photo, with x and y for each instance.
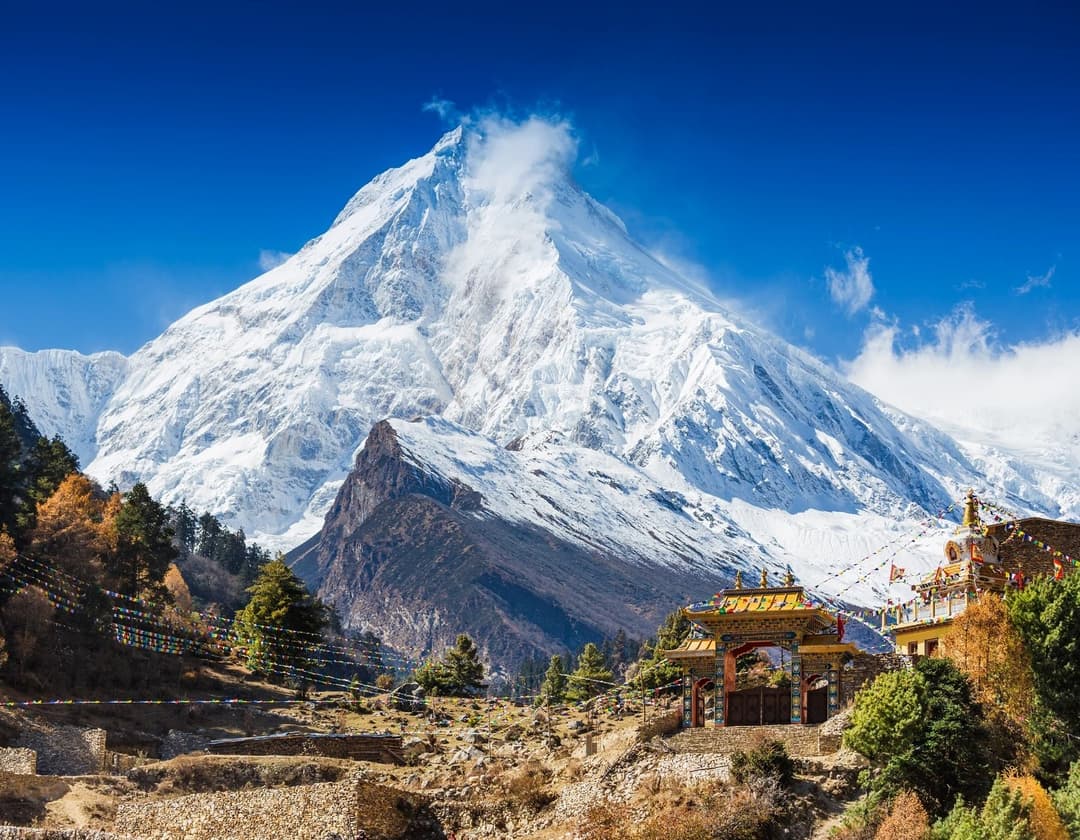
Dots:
(347, 809)
(663, 724)
(864, 668)
(178, 742)
(66, 750)
(10, 832)
(18, 760)
(356, 746)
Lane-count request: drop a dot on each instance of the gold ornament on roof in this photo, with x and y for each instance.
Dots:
(764, 578)
(971, 515)
(789, 578)
(738, 579)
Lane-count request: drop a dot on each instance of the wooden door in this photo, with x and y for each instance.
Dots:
(817, 705)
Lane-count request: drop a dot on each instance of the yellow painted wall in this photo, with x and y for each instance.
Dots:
(920, 635)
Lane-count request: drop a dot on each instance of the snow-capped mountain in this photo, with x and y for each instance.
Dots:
(65, 391)
(479, 284)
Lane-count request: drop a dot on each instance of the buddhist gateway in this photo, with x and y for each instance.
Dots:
(740, 620)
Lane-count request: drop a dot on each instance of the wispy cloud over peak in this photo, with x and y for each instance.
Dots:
(446, 110)
(853, 287)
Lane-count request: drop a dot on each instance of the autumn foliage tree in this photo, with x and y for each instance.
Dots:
(985, 646)
(1044, 819)
(68, 529)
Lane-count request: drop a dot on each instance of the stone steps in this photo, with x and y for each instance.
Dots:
(800, 740)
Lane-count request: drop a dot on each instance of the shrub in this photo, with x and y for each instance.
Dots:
(907, 819)
(923, 731)
(1004, 816)
(768, 759)
(861, 819)
(528, 786)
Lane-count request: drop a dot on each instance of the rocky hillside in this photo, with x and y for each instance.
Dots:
(436, 532)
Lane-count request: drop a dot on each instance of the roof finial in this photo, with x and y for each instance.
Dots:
(789, 578)
(971, 516)
(738, 579)
(764, 578)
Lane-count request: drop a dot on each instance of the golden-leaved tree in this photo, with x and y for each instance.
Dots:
(985, 646)
(1046, 822)
(69, 528)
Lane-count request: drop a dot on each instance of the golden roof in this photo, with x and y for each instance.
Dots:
(692, 648)
(786, 599)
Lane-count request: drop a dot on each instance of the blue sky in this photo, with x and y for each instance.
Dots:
(907, 160)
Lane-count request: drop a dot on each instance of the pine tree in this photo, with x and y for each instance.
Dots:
(465, 671)
(591, 677)
(553, 689)
(281, 622)
(653, 670)
(209, 535)
(1005, 815)
(186, 526)
(1067, 800)
(10, 466)
(49, 463)
(144, 547)
(459, 674)
(1046, 615)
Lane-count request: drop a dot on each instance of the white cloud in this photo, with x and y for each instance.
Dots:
(508, 159)
(962, 378)
(445, 108)
(853, 287)
(269, 259)
(512, 170)
(1036, 281)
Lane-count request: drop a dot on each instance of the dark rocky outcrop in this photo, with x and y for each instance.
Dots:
(416, 557)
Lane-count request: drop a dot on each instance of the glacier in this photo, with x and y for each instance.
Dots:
(480, 288)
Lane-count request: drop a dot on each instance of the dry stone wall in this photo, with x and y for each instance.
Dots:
(10, 832)
(798, 739)
(177, 742)
(18, 760)
(864, 669)
(663, 724)
(357, 746)
(348, 809)
(66, 750)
